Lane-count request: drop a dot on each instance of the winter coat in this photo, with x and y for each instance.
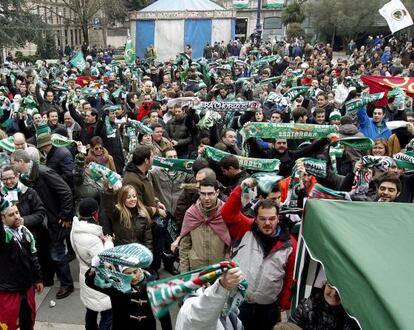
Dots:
(130, 311)
(143, 186)
(202, 246)
(203, 311)
(167, 187)
(109, 161)
(18, 260)
(177, 130)
(86, 242)
(140, 232)
(88, 131)
(61, 161)
(55, 195)
(371, 129)
(270, 276)
(314, 313)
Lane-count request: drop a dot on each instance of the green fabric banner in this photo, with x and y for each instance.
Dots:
(129, 55)
(287, 131)
(255, 164)
(78, 61)
(175, 164)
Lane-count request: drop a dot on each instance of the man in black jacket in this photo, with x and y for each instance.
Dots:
(57, 199)
(20, 272)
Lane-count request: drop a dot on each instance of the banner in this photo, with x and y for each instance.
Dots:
(275, 4)
(129, 55)
(255, 164)
(229, 106)
(396, 15)
(378, 84)
(78, 61)
(180, 165)
(240, 4)
(288, 131)
(162, 294)
(353, 105)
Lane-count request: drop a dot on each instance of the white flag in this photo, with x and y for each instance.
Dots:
(396, 15)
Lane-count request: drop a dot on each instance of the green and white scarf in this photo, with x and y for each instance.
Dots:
(12, 195)
(60, 141)
(352, 106)
(287, 131)
(140, 126)
(266, 181)
(266, 60)
(162, 294)
(320, 192)
(405, 160)
(209, 120)
(255, 164)
(129, 255)
(355, 142)
(174, 164)
(229, 106)
(294, 92)
(110, 131)
(97, 172)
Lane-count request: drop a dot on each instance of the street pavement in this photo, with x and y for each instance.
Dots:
(69, 313)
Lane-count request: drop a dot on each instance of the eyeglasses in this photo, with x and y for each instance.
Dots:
(8, 179)
(264, 219)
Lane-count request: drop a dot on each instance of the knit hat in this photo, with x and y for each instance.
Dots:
(4, 206)
(335, 115)
(43, 140)
(7, 144)
(87, 207)
(43, 128)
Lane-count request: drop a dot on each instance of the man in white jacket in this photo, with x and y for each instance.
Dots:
(88, 240)
(203, 311)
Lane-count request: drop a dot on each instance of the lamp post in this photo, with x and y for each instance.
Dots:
(62, 34)
(258, 23)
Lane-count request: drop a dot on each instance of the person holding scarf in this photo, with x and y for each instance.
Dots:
(205, 239)
(21, 273)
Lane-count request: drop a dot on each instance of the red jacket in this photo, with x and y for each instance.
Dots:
(238, 225)
(144, 110)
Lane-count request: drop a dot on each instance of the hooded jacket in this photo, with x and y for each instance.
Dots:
(86, 241)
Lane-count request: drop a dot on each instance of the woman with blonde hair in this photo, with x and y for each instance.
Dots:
(130, 220)
(380, 147)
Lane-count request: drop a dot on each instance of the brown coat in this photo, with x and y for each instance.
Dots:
(109, 161)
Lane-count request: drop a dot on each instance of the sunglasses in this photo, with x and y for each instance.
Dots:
(98, 148)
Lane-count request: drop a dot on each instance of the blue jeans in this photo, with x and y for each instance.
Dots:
(91, 320)
(58, 255)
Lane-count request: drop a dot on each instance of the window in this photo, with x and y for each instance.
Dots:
(241, 28)
(71, 37)
(272, 23)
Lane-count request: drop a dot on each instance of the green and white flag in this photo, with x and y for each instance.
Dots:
(240, 4)
(78, 61)
(353, 105)
(162, 294)
(287, 131)
(180, 165)
(129, 55)
(255, 164)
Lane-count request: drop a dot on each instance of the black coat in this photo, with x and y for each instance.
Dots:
(177, 130)
(20, 267)
(130, 311)
(54, 193)
(61, 161)
(314, 313)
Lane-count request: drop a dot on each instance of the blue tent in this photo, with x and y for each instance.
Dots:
(169, 25)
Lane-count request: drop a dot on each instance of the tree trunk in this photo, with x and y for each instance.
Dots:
(85, 32)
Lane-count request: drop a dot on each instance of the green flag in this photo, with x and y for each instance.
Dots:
(129, 54)
(78, 61)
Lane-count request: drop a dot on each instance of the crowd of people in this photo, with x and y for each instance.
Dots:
(199, 161)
